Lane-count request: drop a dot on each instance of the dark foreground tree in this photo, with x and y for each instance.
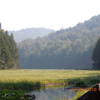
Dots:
(96, 55)
(8, 51)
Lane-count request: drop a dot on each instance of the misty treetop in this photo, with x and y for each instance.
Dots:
(8, 51)
(70, 48)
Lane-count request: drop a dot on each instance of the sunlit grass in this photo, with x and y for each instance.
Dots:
(79, 94)
(43, 75)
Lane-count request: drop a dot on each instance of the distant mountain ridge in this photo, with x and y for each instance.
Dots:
(30, 33)
(69, 48)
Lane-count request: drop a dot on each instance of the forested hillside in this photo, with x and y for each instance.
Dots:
(8, 51)
(70, 48)
(30, 33)
(96, 55)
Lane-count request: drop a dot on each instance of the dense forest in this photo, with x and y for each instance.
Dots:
(8, 51)
(96, 55)
(69, 48)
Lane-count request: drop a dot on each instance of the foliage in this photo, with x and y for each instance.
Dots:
(7, 94)
(96, 55)
(15, 83)
(17, 90)
(8, 51)
(84, 82)
(67, 48)
(24, 85)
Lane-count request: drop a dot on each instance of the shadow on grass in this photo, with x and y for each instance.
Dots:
(83, 82)
(16, 91)
(27, 86)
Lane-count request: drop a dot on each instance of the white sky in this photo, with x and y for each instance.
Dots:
(54, 14)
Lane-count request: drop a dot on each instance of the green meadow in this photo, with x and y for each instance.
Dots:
(44, 75)
(15, 83)
(49, 76)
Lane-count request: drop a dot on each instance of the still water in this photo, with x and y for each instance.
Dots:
(54, 94)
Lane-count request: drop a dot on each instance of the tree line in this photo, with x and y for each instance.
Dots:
(96, 55)
(69, 48)
(8, 51)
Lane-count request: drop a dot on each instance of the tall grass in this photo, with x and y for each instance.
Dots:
(43, 75)
(26, 86)
(17, 82)
(84, 81)
(30, 77)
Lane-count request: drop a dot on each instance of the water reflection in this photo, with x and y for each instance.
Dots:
(54, 94)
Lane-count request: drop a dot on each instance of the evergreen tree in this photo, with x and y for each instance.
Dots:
(8, 51)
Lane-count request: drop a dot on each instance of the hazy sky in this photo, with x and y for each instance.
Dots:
(55, 14)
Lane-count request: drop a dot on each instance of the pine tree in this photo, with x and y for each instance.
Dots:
(8, 51)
